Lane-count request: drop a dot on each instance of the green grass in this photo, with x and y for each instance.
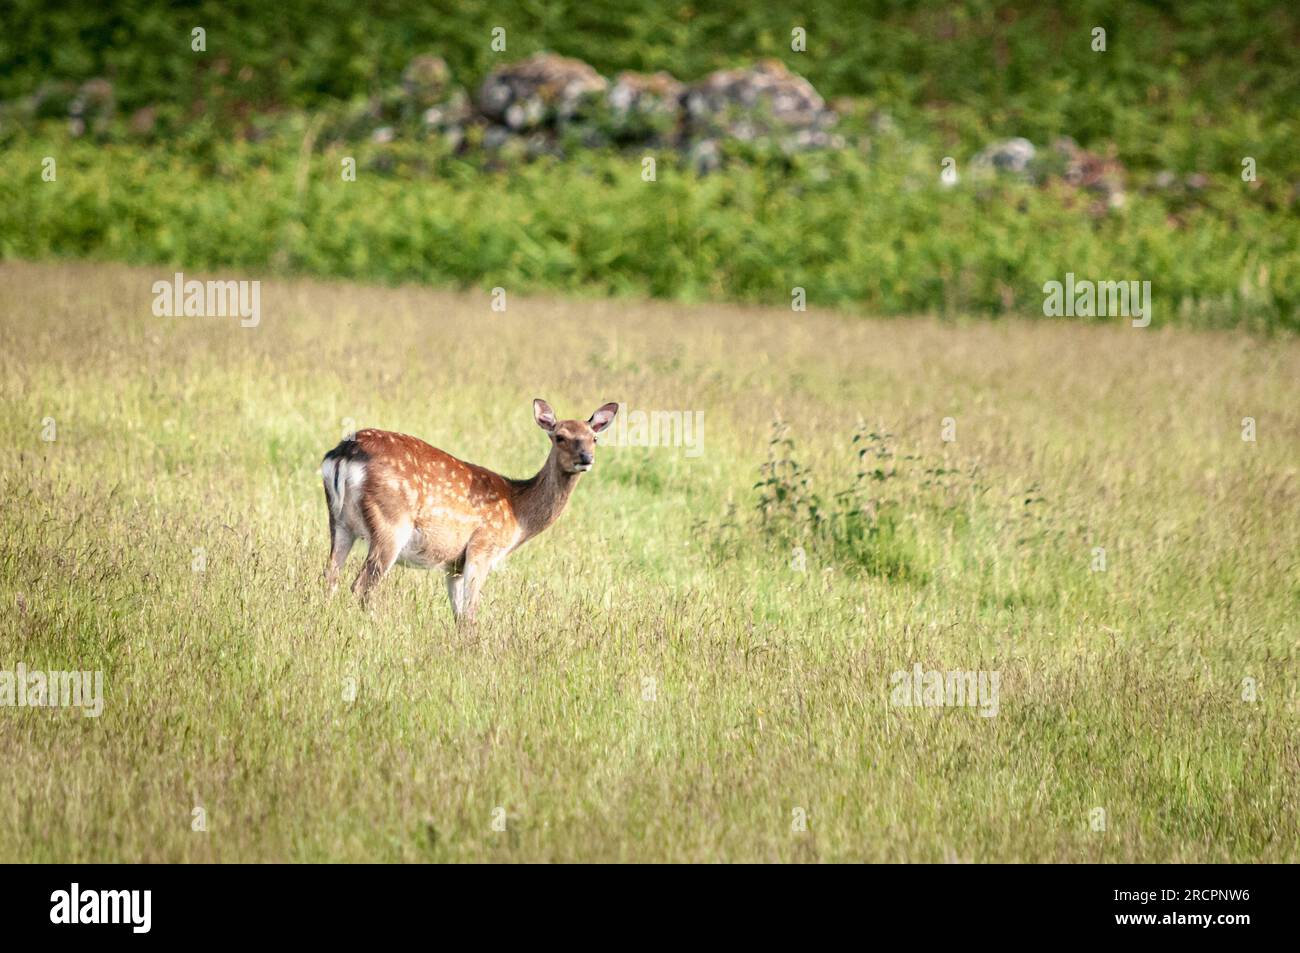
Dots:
(225, 688)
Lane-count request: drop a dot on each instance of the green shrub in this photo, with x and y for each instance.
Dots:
(876, 234)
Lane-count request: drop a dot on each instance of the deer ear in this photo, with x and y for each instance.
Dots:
(603, 417)
(543, 414)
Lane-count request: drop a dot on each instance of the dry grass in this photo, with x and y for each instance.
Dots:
(225, 688)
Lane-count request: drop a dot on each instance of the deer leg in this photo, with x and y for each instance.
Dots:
(377, 562)
(478, 563)
(469, 600)
(385, 547)
(341, 540)
(455, 592)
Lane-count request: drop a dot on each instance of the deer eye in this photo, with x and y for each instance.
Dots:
(559, 439)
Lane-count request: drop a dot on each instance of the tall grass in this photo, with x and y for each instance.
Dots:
(653, 678)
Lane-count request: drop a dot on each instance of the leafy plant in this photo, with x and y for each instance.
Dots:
(859, 527)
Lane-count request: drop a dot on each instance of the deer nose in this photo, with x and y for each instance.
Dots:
(585, 459)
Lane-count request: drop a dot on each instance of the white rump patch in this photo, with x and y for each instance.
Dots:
(343, 482)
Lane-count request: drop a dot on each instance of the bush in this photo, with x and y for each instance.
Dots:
(879, 235)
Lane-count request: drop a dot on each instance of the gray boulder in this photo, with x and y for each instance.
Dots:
(764, 103)
(543, 91)
(1102, 175)
(92, 107)
(426, 81)
(1009, 157)
(645, 106)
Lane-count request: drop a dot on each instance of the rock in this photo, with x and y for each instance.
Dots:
(425, 81)
(449, 116)
(143, 121)
(1011, 157)
(1178, 186)
(92, 107)
(424, 101)
(430, 100)
(544, 90)
(704, 156)
(1066, 161)
(765, 102)
(645, 106)
(1104, 176)
(883, 123)
(455, 138)
(495, 137)
(95, 96)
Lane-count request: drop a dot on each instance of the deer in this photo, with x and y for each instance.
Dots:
(421, 507)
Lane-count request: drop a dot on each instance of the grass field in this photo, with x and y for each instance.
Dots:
(655, 678)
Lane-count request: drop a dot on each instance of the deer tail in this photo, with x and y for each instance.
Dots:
(336, 470)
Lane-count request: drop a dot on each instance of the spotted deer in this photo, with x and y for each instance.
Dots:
(422, 507)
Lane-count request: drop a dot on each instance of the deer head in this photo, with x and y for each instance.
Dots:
(573, 442)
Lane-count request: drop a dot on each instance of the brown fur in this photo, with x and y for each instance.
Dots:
(435, 511)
